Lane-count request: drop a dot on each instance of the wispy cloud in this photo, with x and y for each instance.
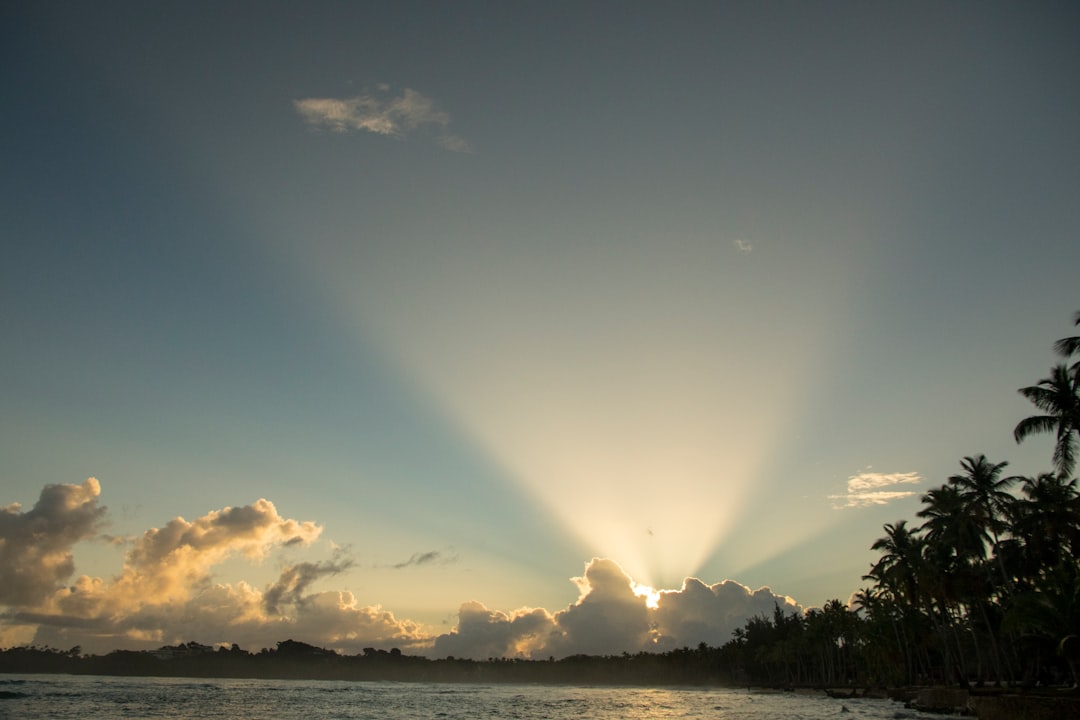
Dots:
(743, 246)
(869, 488)
(382, 113)
(432, 557)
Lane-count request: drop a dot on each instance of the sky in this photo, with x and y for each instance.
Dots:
(509, 329)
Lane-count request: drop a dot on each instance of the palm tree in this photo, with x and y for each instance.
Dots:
(1058, 396)
(1045, 617)
(985, 493)
(897, 570)
(897, 575)
(1069, 346)
(1048, 521)
(954, 535)
(957, 579)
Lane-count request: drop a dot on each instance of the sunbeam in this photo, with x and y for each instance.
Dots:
(626, 392)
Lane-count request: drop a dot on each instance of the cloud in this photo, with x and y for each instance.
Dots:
(454, 143)
(482, 633)
(233, 613)
(35, 546)
(866, 489)
(743, 246)
(165, 593)
(168, 563)
(711, 613)
(164, 585)
(609, 618)
(380, 113)
(296, 579)
(432, 557)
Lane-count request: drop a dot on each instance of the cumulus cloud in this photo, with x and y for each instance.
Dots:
(335, 619)
(711, 613)
(35, 546)
(169, 563)
(296, 579)
(870, 488)
(610, 618)
(166, 572)
(165, 593)
(233, 613)
(381, 113)
(482, 633)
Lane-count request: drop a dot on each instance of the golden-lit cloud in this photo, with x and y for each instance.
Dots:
(164, 588)
(164, 594)
(869, 488)
(381, 113)
(168, 564)
(611, 617)
(35, 546)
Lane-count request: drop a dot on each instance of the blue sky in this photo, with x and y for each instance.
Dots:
(485, 291)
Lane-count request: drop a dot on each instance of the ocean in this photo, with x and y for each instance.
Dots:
(60, 697)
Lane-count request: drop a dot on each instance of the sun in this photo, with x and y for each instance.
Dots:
(651, 595)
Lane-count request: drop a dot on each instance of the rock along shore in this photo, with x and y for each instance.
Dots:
(997, 704)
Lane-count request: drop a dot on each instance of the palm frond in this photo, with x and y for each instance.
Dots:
(1067, 347)
(1033, 425)
(1065, 452)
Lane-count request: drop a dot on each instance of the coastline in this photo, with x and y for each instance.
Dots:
(981, 703)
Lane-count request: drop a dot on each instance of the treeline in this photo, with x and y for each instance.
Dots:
(297, 660)
(986, 589)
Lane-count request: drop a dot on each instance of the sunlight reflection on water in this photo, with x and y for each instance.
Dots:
(63, 697)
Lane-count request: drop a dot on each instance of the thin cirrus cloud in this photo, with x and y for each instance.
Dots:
(381, 113)
(870, 488)
(166, 594)
(432, 557)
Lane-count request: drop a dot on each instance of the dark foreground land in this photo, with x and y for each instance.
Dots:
(297, 660)
(702, 666)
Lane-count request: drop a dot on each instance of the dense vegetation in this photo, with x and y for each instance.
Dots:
(986, 590)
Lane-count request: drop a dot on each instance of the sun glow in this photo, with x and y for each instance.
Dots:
(634, 402)
(652, 596)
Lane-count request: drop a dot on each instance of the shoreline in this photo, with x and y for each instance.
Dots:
(985, 703)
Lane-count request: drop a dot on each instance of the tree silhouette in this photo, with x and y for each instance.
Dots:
(1058, 396)
(1069, 346)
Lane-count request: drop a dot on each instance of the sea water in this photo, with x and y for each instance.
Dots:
(29, 697)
